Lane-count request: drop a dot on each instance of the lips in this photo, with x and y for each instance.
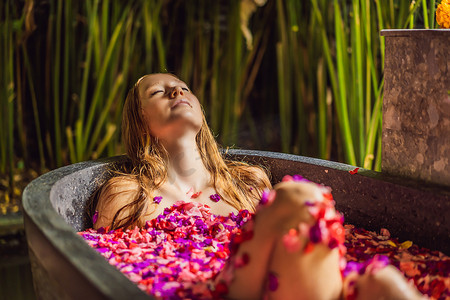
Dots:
(180, 102)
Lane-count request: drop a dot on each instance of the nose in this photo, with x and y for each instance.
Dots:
(176, 91)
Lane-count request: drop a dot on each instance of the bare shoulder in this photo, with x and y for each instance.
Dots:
(115, 194)
(119, 185)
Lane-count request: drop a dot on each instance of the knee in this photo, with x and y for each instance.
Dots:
(290, 203)
(295, 197)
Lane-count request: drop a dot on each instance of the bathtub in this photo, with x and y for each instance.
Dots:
(64, 266)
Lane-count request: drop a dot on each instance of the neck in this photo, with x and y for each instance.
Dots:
(186, 169)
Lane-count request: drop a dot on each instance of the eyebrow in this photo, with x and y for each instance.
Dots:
(162, 83)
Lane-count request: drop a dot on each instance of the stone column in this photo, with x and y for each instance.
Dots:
(416, 108)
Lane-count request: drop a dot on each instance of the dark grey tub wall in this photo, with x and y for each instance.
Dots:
(65, 267)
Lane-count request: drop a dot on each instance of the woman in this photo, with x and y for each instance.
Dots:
(293, 247)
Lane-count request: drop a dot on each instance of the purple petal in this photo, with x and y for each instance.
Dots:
(215, 197)
(273, 282)
(315, 234)
(95, 217)
(157, 199)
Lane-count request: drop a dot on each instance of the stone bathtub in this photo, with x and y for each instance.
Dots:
(64, 266)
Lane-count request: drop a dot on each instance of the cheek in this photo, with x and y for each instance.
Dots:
(197, 107)
(199, 113)
(151, 118)
(199, 110)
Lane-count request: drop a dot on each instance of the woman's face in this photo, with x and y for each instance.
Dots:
(169, 108)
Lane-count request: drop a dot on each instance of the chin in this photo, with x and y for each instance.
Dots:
(188, 118)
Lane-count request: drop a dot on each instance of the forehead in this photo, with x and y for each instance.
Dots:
(148, 81)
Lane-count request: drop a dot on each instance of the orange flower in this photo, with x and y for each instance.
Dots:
(443, 14)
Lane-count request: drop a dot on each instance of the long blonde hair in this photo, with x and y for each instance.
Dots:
(238, 183)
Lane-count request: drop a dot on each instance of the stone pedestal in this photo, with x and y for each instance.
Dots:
(416, 108)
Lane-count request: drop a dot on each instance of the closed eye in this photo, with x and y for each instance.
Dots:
(156, 92)
(185, 89)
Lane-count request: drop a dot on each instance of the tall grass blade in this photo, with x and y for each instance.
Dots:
(374, 130)
(101, 79)
(284, 87)
(8, 97)
(34, 103)
(102, 118)
(85, 81)
(341, 98)
(322, 111)
(426, 23)
(70, 144)
(110, 129)
(56, 85)
(432, 16)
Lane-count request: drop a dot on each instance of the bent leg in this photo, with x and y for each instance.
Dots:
(314, 275)
(279, 260)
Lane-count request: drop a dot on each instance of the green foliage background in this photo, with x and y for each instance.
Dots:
(310, 82)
